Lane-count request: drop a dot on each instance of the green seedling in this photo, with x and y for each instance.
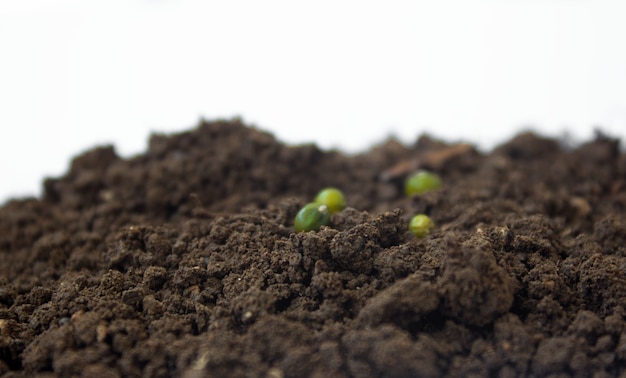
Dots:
(421, 182)
(333, 199)
(420, 225)
(311, 217)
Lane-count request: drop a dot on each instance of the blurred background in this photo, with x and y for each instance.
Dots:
(342, 74)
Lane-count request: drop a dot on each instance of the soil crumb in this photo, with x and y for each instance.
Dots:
(182, 262)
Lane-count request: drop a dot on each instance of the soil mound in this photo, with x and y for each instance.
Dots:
(183, 262)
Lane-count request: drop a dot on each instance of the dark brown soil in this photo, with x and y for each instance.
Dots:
(183, 262)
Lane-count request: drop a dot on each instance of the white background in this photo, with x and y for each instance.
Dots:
(346, 74)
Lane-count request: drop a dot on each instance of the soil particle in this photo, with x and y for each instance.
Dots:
(475, 290)
(183, 262)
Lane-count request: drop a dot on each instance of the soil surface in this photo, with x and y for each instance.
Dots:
(182, 262)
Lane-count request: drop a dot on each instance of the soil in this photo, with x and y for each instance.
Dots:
(182, 262)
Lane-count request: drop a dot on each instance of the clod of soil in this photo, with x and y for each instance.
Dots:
(183, 262)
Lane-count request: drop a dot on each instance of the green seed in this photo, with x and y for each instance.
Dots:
(332, 198)
(420, 225)
(421, 182)
(311, 217)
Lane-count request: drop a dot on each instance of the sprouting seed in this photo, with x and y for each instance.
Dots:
(333, 199)
(311, 217)
(421, 182)
(420, 225)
